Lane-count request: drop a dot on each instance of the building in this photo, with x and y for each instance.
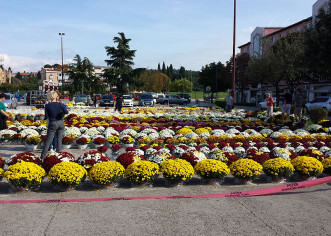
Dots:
(52, 78)
(262, 37)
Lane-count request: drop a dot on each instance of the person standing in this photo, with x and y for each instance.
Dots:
(287, 103)
(119, 103)
(270, 105)
(299, 103)
(54, 111)
(3, 114)
(229, 102)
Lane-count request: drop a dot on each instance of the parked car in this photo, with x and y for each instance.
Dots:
(159, 95)
(146, 99)
(127, 101)
(173, 99)
(83, 98)
(186, 96)
(319, 102)
(107, 100)
(263, 105)
(10, 101)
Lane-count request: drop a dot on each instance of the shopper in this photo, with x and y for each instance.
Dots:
(299, 103)
(229, 102)
(270, 105)
(287, 103)
(119, 103)
(3, 114)
(54, 111)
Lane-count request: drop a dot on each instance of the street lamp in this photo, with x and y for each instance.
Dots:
(234, 52)
(62, 34)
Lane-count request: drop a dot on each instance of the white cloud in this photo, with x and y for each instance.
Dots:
(28, 64)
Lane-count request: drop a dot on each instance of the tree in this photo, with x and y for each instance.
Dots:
(120, 63)
(47, 66)
(171, 71)
(164, 70)
(154, 81)
(181, 85)
(158, 67)
(242, 79)
(214, 75)
(318, 44)
(182, 72)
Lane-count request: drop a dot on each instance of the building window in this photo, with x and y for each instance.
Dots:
(298, 29)
(272, 39)
(280, 35)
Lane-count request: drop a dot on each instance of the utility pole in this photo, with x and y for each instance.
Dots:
(234, 53)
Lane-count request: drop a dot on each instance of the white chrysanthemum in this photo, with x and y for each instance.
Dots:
(29, 133)
(314, 127)
(205, 150)
(240, 152)
(83, 129)
(152, 136)
(101, 129)
(227, 149)
(110, 131)
(150, 151)
(72, 131)
(166, 134)
(286, 132)
(130, 132)
(264, 149)
(282, 153)
(275, 134)
(266, 131)
(217, 132)
(204, 135)
(233, 131)
(324, 149)
(298, 149)
(192, 135)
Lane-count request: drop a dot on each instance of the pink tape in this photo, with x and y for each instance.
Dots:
(251, 193)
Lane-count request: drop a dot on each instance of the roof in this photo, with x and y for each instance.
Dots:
(246, 44)
(291, 26)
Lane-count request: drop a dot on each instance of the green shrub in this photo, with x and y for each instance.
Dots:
(318, 114)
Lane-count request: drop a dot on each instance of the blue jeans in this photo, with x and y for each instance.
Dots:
(53, 127)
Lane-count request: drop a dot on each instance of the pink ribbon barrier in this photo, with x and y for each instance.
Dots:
(251, 193)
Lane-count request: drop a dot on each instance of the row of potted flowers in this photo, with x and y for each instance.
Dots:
(24, 169)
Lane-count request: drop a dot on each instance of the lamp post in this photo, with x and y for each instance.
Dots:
(234, 53)
(62, 34)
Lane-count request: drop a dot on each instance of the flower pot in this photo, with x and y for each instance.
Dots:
(66, 146)
(211, 181)
(142, 185)
(243, 181)
(126, 145)
(61, 188)
(31, 147)
(97, 145)
(83, 146)
(114, 155)
(171, 184)
(101, 186)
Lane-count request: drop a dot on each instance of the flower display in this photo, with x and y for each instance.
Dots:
(177, 170)
(102, 149)
(160, 156)
(307, 166)
(142, 171)
(257, 156)
(25, 175)
(33, 140)
(99, 141)
(116, 147)
(128, 158)
(67, 140)
(83, 141)
(312, 153)
(106, 173)
(209, 169)
(127, 139)
(193, 157)
(24, 156)
(2, 162)
(246, 169)
(278, 168)
(327, 165)
(67, 174)
(2, 172)
(90, 158)
(113, 140)
(54, 158)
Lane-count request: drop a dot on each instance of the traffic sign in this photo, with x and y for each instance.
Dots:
(208, 88)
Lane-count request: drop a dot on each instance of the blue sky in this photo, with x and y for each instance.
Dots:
(189, 33)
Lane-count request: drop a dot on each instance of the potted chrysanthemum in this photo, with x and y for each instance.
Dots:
(142, 172)
(106, 173)
(67, 142)
(25, 175)
(246, 170)
(24, 156)
(66, 175)
(32, 142)
(54, 158)
(113, 140)
(99, 141)
(90, 158)
(327, 165)
(307, 167)
(176, 171)
(2, 172)
(128, 141)
(127, 158)
(278, 169)
(211, 170)
(82, 142)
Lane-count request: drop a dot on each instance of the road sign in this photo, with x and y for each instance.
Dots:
(208, 88)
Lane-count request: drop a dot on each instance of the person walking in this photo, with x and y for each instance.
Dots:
(270, 105)
(119, 103)
(299, 103)
(229, 102)
(287, 103)
(54, 111)
(3, 114)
